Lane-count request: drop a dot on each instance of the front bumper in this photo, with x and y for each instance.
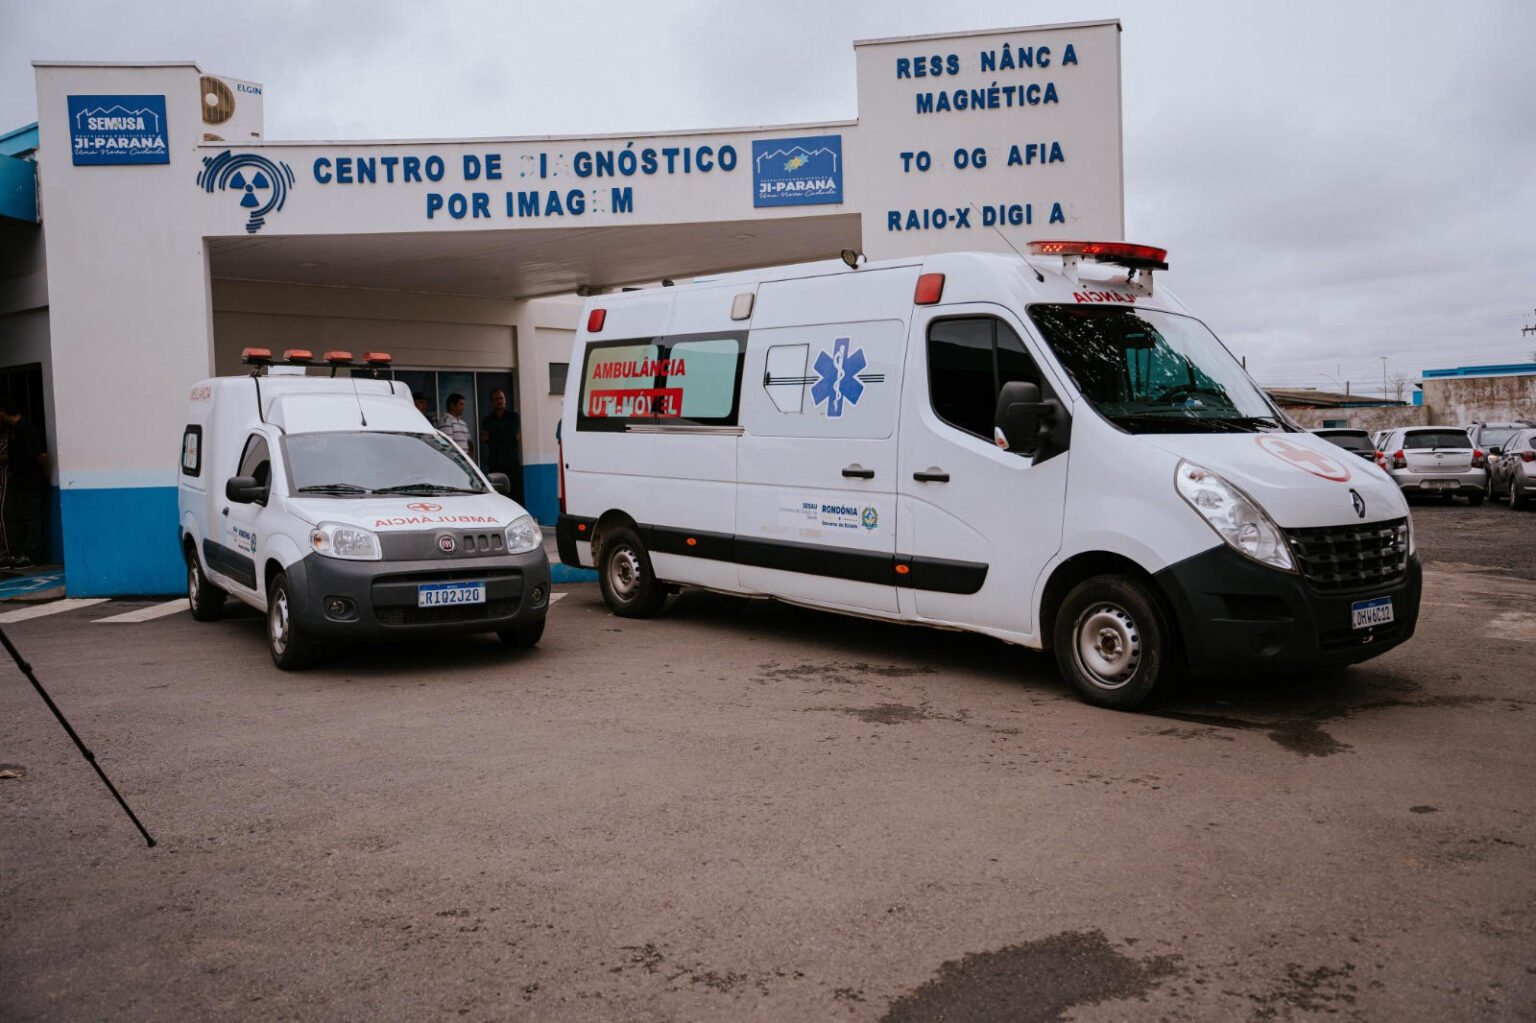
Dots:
(379, 598)
(1237, 615)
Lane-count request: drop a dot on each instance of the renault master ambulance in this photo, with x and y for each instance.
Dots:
(333, 506)
(1039, 448)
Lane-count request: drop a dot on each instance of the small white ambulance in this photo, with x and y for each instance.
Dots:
(333, 506)
(1040, 448)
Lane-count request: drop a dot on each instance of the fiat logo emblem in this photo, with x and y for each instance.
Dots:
(425, 506)
(446, 544)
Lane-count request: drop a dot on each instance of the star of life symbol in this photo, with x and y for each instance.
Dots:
(839, 371)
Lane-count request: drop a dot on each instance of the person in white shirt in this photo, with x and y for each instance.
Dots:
(454, 426)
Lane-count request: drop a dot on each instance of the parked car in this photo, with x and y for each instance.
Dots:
(1512, 475)
(1356, 442)
(1434, 460)
(1490, 438)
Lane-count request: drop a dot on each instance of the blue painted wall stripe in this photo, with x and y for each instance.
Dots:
(120, 542)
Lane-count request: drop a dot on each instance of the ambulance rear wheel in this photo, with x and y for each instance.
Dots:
(291, 649)
(206, 599)
(629, 584)
(1111, 642)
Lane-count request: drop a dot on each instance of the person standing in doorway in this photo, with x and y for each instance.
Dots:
(455, 427)
(501, 433)
(26, 471)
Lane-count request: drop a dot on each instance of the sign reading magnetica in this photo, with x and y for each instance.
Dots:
(118, 129)
(967, 140)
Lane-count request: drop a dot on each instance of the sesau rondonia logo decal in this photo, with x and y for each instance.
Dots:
(1305, 458)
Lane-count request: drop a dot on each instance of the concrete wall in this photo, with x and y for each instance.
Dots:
(1462, 400)
(1372, 419)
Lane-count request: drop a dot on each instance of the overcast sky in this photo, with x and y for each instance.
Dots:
(1334, 181)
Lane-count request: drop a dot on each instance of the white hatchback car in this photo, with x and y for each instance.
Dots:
(1434, 460)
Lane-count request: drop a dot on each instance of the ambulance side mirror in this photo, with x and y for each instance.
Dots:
(500, 483)
(1020, 413)
(245, 490)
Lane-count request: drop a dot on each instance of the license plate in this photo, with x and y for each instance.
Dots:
(1440, 484)
(447, 594)
(1371, 612)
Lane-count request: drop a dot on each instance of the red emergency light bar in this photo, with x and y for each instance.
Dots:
(1138, 257)
(256, 356)
(378, 358)
(298, 356)
(338, 358)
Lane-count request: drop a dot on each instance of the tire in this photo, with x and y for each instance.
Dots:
(291, 650)
(629, 584)
(205, 599)
(1111, 641)
(522, 636)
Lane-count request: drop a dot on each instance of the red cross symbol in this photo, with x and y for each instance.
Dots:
(1315, 462)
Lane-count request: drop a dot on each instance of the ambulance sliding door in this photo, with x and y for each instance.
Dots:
(816, 465)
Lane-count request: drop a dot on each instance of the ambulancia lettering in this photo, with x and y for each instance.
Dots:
(429, 520)
(1103, 296)
(647, 369)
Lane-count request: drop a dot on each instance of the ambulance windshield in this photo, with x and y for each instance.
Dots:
(1149, 371)
(352, 464)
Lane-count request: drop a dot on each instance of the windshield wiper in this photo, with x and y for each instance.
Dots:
(334, 488)
(427, 488)
(1163, 422)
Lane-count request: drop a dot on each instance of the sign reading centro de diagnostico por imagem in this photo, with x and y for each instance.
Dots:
(118, 129)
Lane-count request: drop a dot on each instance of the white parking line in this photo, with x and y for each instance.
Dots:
(145, 614)
(553, 597)
(52, 608)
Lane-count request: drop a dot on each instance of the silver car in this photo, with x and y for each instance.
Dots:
(1434, 460)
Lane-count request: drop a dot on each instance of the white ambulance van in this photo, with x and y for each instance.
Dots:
(333, 506)
(1040, 448)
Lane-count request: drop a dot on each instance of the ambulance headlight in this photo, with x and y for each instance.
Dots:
(1235, 516)
(335, 540)
(523, 535)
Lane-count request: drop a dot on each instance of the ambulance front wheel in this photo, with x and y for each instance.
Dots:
(628, 582)
(206, 599)
(1111, 642)
(291, 649)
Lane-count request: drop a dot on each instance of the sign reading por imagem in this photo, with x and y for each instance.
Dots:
(118, 129)
(977, 140)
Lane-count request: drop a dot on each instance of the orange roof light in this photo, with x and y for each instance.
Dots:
(378, 358)
(256, 356)
(930, 288)
(338, 357)
(1124, 254)
(298, 355)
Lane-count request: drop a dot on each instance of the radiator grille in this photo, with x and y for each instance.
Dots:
(1352, 557)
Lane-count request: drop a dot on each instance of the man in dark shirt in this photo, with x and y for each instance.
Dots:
(501, 437)
(27, 468)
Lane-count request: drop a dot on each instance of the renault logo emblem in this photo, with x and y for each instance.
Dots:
(1358, 501)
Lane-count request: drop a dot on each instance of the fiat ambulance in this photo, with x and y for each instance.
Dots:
(1041, 448)
(332, 505)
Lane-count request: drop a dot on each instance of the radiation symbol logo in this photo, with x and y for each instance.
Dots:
(261, 183)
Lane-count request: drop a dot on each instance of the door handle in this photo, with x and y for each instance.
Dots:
(933, 475)
(858, 472)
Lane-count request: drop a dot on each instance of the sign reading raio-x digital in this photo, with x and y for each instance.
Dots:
(118, 129)
(797, 172)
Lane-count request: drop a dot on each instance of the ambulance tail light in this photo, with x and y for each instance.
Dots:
(1140, 257)
(298, 356)
(1399, 461)
(595, 320)
(930, 288)
(256, 356)
(1478, 461)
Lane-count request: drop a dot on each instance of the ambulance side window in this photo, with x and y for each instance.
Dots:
(192, 451)
(969, 360)
(256, 461)
(682, 380)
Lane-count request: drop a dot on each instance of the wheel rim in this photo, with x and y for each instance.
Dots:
(278, 621)
(624, 572)
(1108, 646)
(194, 584)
